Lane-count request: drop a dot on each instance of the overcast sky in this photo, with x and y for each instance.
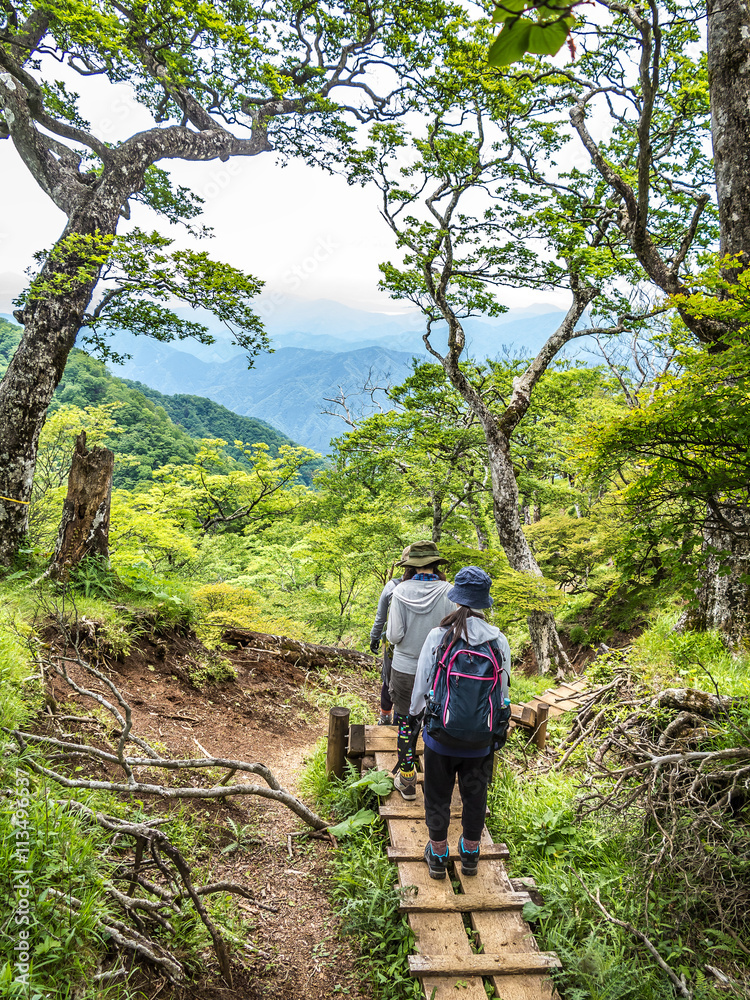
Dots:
(304, 232)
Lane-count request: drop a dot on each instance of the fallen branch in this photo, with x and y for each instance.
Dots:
(307, 655)
(274, 791)
(128, 937)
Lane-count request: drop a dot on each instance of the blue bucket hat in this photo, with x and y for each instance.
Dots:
(472, 588)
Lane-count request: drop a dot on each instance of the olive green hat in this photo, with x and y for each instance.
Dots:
(421, 554)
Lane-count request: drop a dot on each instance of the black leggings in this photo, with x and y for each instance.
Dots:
(385, 698)
(474, 776)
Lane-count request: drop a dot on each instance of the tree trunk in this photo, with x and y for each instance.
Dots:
(51, 324)
(729, 87)
(305, 655)
(723, 594)
(480, 526)
(724, 597)
(437, 518)
(545, 641)
(84, 528)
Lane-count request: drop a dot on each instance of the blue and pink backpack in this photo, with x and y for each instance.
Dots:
(468, 707)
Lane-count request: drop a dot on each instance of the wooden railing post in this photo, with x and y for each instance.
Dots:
(540, 733)
(338, 731)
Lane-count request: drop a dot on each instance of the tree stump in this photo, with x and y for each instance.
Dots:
(84, 527)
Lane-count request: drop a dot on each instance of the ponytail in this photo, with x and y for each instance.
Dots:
(457, 620)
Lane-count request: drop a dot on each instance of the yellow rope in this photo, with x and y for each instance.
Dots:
(24, 502)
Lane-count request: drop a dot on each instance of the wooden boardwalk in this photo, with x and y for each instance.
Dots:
(476, 932)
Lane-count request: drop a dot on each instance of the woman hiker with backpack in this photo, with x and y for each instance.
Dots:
(461, 688)
(418, 603)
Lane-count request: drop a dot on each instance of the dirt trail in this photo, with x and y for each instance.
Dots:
(265, 715)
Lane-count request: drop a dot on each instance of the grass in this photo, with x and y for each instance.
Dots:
(323, 690)
(689, 659)
(363, 884)
(535, 816)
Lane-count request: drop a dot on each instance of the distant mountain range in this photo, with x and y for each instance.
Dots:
(320, 348)
(286, 389)
(323, 325)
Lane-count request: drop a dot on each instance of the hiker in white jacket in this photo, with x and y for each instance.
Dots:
(418, 604)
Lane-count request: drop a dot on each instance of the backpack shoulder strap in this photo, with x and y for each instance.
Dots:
(445, 644)
(495, 647)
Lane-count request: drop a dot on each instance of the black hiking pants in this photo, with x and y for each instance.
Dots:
(474, 776)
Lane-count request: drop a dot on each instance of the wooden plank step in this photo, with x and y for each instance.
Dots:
(554, 698)
(442, 935)
(385, 760)
(411, 835)
(401, 809)
(384, 737)
(460, 903)
(356, 745)
(507, 963)
(580, 685)
(376, 744)
(489, 852)
(506, 931)
(396, 805)
(438, 934)
(572, 688)
(554, 711)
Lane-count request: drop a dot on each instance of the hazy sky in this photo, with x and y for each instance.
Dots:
(304, 232)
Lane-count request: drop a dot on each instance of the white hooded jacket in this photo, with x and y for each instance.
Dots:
(417, 606)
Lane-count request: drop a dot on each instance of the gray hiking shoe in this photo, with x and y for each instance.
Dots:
(406, 784)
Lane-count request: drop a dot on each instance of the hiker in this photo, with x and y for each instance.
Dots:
(377, 634)
(461, 689)
(418, 604)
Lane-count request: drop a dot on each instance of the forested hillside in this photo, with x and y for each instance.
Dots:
(290, 387)
(149, 430)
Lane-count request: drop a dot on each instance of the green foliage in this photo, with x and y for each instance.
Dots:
(202, 418)
(574, 551)
(65, 855)
(242, 837)
(535, 818)
(211, 668)
(221, 604)
(14, 667)
(141, 277)
(10, 338)
(93, 577)
(698, 660)
(364, 881)
(544, 35)
(679, 459)
(352, 824)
